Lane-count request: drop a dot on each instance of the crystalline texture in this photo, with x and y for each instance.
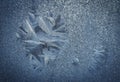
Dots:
(42, 35)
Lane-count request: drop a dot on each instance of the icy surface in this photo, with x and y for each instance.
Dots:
(91, 55)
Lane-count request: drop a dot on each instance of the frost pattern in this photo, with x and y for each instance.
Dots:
(99, 58)
(43, 37)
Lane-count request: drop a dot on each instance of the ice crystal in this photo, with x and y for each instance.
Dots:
(99, 58)
(43, 37)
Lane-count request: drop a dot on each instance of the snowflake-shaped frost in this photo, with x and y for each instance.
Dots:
(99, 58)
(43, 37)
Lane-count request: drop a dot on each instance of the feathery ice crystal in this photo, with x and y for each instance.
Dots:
(43, 37)
(99, 58)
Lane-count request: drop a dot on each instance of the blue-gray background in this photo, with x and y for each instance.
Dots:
(89, 23)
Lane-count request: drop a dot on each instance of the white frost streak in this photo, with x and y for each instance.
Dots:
(29, 29)
(43, 26)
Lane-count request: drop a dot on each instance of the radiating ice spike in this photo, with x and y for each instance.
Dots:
(43, 26)
(31, 17)
(33, 42)
(17, 35)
